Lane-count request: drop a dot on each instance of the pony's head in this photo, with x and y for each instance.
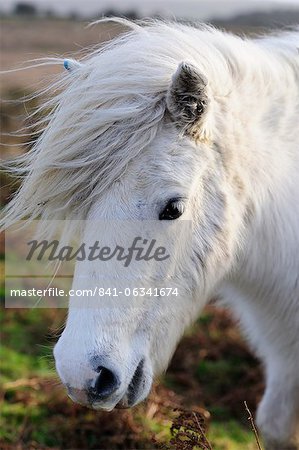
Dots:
(138, 135)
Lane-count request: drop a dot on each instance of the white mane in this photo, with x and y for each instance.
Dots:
(110, 107)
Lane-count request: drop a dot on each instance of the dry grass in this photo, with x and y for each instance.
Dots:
(25, 40)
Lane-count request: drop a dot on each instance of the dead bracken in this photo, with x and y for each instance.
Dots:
(188, 431)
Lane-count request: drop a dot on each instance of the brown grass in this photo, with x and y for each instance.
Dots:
(23, 40)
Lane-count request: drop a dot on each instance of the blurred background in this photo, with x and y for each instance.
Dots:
(212, 371)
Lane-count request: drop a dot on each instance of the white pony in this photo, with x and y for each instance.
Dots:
(173, 122)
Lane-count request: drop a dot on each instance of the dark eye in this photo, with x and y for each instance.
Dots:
(172, 210)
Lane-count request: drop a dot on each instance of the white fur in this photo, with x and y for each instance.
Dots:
(107, 146)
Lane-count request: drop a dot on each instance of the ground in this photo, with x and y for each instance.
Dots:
(212, 371)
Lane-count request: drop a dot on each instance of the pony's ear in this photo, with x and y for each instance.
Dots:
(187, 98)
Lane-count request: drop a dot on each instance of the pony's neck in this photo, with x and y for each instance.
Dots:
(265, 110)
(261, 146)
(268, 158)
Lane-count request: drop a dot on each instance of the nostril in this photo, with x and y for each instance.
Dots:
(106, 383)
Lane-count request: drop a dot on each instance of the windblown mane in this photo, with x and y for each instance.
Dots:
(110, 107)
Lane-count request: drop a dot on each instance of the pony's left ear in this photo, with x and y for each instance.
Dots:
(187, 98)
